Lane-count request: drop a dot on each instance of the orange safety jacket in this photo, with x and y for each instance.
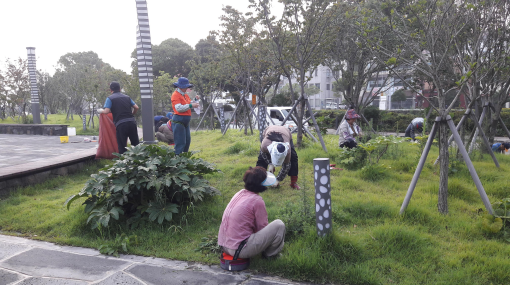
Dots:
(177, 98)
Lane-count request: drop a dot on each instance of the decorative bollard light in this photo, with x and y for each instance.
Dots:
(84, 122)
(34, 91)
(322, 195)
(145, 76)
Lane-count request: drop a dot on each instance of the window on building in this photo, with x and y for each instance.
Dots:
(336, 73)
(327, 86)
(328, 73)
(318, 85)
(316, 72)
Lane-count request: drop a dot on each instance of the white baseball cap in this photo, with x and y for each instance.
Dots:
(270, 179)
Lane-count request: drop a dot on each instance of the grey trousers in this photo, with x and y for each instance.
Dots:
(268, 241)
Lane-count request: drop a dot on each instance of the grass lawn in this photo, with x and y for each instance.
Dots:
(370, 244)
(60, 119)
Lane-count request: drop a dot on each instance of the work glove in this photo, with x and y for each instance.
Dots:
(276, 184)
(100, 110)
(270, 168)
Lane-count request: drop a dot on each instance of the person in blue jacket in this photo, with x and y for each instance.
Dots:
(500, 147)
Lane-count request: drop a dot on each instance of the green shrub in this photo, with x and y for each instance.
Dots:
(146, 182)
(500, 221)
(352, 158)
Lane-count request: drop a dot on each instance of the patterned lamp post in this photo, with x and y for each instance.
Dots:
(321, 171)
(34, 91)
(144, 59)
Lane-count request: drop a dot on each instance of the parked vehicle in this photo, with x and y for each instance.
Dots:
(278, 114)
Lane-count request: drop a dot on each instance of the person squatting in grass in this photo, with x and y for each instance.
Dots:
(416, 125)
(165, 133)
(245, 219)
(181, 104)
(500, 147)
(349, 130)
(277, 149)
(123, 110)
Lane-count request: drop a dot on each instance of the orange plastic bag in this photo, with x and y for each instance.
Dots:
(107, 137)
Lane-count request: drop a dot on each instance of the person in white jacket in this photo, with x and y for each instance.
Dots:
(349, 130)
(416, 125)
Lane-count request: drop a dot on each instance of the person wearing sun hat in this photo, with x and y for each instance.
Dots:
(181, 104)
(277, 149)
(244, 229)
(349, 130)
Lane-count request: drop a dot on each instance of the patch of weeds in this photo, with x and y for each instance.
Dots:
(296, 219)
(374, 172)
(209, 245)
(499, 223)
(119, 245)
(242, 148)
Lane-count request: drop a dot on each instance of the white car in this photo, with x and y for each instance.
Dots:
(276, 115)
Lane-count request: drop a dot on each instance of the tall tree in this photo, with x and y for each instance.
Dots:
(15, 89)
(349, 57)
(170, 56)
(298, 37)
(426, 32)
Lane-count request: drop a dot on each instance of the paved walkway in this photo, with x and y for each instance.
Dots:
(24, 261)
(22, 149)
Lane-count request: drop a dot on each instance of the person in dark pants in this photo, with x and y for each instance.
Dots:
(123, 110)
(416, 125)
(277, 149)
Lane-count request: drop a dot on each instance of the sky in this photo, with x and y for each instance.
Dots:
(107, 27)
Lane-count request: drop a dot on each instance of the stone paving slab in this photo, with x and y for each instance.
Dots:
(40, 262)
(120, 278)
(50, 281)
(9, 249)
(164, 275)
(35, 262)
(8, 277)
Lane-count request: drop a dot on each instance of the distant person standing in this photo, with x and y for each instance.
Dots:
(123, 110)
(181, 104)
(416, 125)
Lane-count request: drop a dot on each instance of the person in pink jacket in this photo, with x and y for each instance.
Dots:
(244, 226)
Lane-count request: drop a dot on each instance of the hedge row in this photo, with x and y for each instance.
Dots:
(397, 121)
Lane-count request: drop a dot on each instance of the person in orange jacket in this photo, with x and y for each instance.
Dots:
(181, 104)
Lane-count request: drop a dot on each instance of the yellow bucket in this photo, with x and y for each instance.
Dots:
(64, 139)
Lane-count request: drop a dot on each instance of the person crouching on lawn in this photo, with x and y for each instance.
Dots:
(349, 130)
(500, 147)
(244, 225)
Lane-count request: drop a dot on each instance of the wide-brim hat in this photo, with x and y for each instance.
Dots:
(182, 82)
(270, 179)
(351, 114)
